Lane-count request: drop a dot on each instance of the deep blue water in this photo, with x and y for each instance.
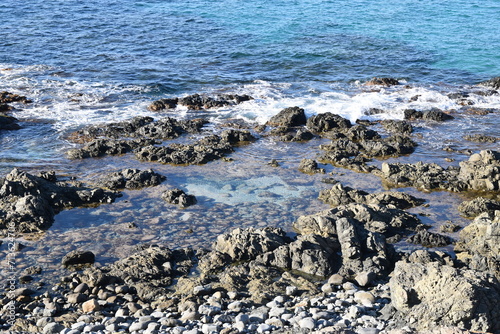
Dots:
(88, 61)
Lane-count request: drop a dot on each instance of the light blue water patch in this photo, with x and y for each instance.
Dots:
(252, 190)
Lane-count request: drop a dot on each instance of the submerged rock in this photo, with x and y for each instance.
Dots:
(6, 97)
(310, 166)
(30, 202)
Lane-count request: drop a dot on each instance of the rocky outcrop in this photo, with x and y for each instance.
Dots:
(478, 138)
(430, 115)
(477, 206)
(481, 171)
(341, 195)
(310, 166)
(101, 147)
(394, 126)
(30, 202)
(478, 245)
(289, 117)
(179, 197)
(493, 83)
(326, 122)
(429, 239)
(382, 82)
(131, 179)
(6, 97)
(439, 295)
(199, 102)
(140, 127)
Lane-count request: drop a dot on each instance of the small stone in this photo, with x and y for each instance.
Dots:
(336, 279)
(235, 306)
(364, 298)
(210, 328)
(365, 278)
(78, 257)
(209, 310)
(291, 290)
(81, 288)
(307, 323)
(90, 306)
(243, 318)
(52, 328)
(263, 328)
(76, 298)
(328, 288)
(349, 286)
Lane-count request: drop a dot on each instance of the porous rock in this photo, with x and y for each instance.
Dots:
(131, 178)
(289, 117)
(478, 205)
(179, 197)
(440, 295)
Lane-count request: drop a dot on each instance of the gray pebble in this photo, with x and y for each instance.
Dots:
(307, 323)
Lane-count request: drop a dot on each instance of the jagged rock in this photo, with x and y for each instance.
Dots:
(481, 171)
(101, 147)
(179, 197)
(478, 205)
(436, 115)
(237, 136)
(163, 104)
(6, 97)
(131, 179)
(311, 254)
(309, 166)
(78, 257)
(440, 295)
(341, 195)
(395, 126)
(326, 122)
(493, 83)
(289, 117)
(246, 244)
(359, 132)
(429, 239)
(30, 202)
(478, 138)
(479, 243)
(382, 82)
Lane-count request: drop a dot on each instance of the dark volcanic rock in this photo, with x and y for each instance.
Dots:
(179, 197)
(382, 82)
(102, 147)
(199, 102)
(30, 202)
(429, 239)
(163, 104)
(477, 206)
(412, 114)
(436, 115)
(493, 83)
(131, 179)
(78, 257)
(289, 117)
(434, 295)
(8, 122)
(326, 122)
(394, 126)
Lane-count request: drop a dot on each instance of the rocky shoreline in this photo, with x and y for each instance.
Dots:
(338, 272)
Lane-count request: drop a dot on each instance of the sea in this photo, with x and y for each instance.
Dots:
(93, 62)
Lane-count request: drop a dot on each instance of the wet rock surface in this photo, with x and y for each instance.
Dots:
(179, 197)
(30, 202)
(199, 102)
(131, 179)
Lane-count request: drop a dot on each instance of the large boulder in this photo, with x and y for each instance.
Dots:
(479, 243)
(431, 295)
(326, 122)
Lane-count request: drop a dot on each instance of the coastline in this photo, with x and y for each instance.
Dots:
(348, 151)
